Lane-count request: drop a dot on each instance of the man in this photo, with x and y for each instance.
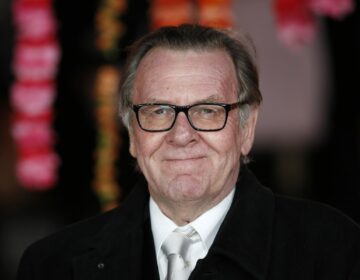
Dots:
(190, 100)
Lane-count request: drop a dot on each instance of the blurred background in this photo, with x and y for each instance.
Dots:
(308, 137)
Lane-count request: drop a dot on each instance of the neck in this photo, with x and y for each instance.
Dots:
(182, 213)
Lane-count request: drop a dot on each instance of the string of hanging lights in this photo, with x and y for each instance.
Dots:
(215, 13)
(110, 29)
(35, 65)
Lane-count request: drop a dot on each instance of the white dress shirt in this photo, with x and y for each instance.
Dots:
(207, 226)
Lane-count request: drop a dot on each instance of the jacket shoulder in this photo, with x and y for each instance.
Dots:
(317, 233)
(82, 235)
(71, 239)
(312, 215)
(54, 257)
(51, 257)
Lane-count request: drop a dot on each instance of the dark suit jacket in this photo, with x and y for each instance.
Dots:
(264, 236)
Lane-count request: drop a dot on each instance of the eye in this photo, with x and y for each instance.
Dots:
(160, 111)
(207, 111)
(157, 111)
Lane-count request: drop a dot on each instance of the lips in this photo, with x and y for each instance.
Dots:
(188, 158)
(182, 164)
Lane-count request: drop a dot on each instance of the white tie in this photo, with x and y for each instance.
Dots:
(176, 247)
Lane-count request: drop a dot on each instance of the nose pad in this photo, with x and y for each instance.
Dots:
(182, 132)
(182, 119)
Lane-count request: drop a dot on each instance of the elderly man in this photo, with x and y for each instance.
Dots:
(190, 100)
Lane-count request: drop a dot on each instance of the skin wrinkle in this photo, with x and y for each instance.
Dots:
(210, 161)
(154, 66)
(212, 98)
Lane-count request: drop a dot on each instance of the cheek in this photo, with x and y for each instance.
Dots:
(226, 144)
(229, 140)
(235, 134)
(145, 144)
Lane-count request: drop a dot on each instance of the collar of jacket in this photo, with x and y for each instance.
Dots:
(244, 237)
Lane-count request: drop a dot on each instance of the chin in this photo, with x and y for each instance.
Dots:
(186, 187)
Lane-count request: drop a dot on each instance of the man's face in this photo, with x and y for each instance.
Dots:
(183, 165)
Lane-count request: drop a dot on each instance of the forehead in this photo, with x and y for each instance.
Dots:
(165, 73)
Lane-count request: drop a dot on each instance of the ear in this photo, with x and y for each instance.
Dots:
(132, 144)
(248, 131)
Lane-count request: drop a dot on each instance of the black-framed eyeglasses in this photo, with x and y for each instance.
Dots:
(158, 117)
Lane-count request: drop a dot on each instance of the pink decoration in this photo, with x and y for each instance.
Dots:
(38, 171)
(36, 62)
(36, 58)
(32, 98)
(32, 135)
(294, 34)
(337, 9)
(296, 18)
(34, 21)
(296, 24)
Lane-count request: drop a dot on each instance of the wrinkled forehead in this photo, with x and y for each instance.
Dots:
(166, 69)
(173, 57)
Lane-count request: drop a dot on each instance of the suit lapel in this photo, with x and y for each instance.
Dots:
(116, 252)
(149, 264)
(242, 247)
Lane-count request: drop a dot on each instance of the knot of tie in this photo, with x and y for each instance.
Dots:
(176, 247)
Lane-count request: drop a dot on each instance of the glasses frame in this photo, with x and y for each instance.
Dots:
(185, 109)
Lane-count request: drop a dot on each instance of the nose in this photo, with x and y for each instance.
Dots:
(182, 133)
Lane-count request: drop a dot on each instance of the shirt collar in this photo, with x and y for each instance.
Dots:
(207, 225)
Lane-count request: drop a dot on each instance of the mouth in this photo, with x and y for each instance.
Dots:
(185, 159)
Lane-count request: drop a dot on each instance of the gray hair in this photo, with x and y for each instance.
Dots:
(201, 38)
